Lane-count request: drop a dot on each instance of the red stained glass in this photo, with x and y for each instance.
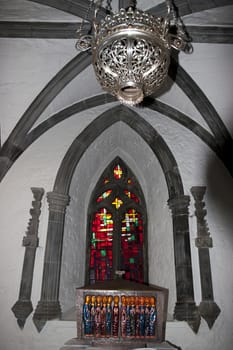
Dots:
(117, 172)
(101, 247)
(104, 195)
(131, 195)
(132, 245)
(106, 181)
(115, 195)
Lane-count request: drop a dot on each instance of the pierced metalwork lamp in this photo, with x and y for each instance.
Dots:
(131, 50)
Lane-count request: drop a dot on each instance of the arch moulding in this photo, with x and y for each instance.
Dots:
(49, 306)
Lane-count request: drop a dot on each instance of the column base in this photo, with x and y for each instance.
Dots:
(209, 310)
(188, 311)
(46, 310)
(21, 310)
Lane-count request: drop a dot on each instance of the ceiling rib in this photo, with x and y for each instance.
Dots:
(187, 7)
(77, 8)
(58, 30)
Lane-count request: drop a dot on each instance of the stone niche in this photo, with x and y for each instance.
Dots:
(121, 314)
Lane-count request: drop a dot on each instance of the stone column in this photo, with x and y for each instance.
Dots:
(185, 309)
(23, 307)
(208, 309)
(49, 306)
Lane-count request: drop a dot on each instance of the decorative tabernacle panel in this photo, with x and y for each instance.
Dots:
(121, 310)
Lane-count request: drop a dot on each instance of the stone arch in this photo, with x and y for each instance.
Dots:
(49, 306)
(138, 124)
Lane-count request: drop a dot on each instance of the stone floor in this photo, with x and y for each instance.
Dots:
(76, 344)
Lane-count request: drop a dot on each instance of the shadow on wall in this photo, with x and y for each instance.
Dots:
(219, 192)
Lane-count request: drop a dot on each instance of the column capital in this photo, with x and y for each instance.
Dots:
(200, 212)
(179, 205)
(57, 201)
(198, 192)
(38, 193)
(204, 242)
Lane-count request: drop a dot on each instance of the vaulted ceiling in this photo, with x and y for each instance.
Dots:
(207, 22)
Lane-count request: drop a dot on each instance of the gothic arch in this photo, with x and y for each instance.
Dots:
(138, 124)
(49, 306)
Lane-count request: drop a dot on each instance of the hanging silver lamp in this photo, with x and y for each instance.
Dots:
(131, 52)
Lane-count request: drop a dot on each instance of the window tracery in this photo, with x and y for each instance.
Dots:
(117, 230)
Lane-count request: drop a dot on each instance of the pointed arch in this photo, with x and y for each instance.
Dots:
(140, 126)
(49, 306)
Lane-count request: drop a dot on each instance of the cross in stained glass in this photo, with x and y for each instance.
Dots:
(117, 172)
(117, 202)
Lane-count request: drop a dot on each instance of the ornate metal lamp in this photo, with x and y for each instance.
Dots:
(131, 51)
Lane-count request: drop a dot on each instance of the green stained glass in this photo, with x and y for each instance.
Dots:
(103, 252)
(132, 245)
(93, 240)
(101, 246)
(117, 191)
(104, 195)
(132, 238)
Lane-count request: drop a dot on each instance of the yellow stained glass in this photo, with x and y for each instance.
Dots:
(117, 172)
(106, 181)
(117, 202)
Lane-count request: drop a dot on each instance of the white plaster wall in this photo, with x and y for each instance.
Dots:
(20, 83)
(211, 68)
(26, 66)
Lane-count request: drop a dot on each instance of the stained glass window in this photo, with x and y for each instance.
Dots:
(118, 227)
(101, 246)
(131, 245)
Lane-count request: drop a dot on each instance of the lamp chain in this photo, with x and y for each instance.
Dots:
(109, 6)
(83, 42)
(182, 40)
